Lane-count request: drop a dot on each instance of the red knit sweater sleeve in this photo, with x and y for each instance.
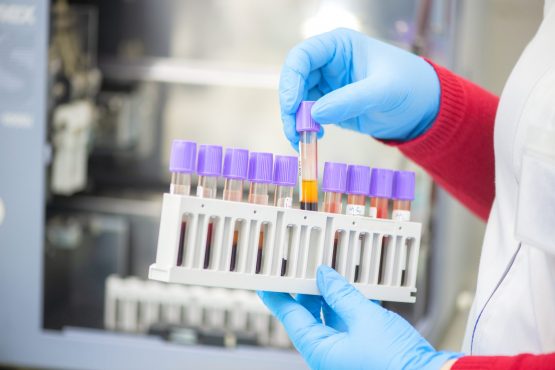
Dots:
(457, 151)
(520, 362)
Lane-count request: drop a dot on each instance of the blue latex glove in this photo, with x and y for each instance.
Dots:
(360, 84)
(358, 334)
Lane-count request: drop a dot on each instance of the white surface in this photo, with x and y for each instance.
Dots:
(311, 245)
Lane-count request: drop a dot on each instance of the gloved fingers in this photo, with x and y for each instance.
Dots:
(290, 131)
(301, 326)
(305, 58)
(313, 303)
(324, 86)
(347, 302)
(354, 99)
(331, 319)
(314, 79)
(337, 71)
(351, 124)
(313, 94)
(292, 88)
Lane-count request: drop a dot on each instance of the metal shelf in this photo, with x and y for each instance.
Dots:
(192, 72)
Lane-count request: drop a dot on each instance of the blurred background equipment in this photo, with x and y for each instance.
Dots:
(91, 94)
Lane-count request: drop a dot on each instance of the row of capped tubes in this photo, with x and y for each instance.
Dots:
(359, 256)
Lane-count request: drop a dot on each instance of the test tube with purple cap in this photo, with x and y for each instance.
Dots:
(182, 167)
(334, 185)
(235, 173)
(308, 148)
(209, 168)
(260, 178)
(403, 195)
(381, 187)
(285, 179)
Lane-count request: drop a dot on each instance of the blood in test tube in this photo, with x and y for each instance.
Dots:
(334, 185)
(403, 195)
(358, 181)
(308, 147)
(381, 187)
(260, 178)
(209, 168)
(234, 173)
(285, 180)
(182, 167)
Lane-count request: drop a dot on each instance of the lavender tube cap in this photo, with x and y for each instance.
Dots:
(303, 118)
(335, 177)
(286, 170)
(260, 167)
(403, 185)
(183, 156)
(236, 164)
(381, 183)
(209, 161)
(358, 180)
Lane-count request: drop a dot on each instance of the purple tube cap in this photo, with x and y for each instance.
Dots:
(381, 183)
(303, 118)
(260, 167)
(209, 161)
(183, 156)
(286, 170)
(403, 185)
(335, 177)
(358, 179)
(236, 163)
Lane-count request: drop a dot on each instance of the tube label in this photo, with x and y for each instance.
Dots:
(355, 210)
(200, 191)
(373, 212)
(287, 202)
(400, 215)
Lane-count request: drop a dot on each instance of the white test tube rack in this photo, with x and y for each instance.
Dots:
(306, 237)
(133, 305)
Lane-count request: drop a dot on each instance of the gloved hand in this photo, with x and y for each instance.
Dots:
(360, 84)
(357, 334)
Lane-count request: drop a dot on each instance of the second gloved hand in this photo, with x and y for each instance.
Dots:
(357, 333)
(360, 84)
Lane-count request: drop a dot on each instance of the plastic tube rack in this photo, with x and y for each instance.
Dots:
(133, 305)
(385, 250)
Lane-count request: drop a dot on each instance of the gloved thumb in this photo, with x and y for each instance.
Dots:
(350, 101)
(342, 297)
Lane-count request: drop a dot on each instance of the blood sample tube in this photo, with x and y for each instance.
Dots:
(182, 166)
(209, 168)
(285, 179)
(358, 181)
(260, 177)
(403, 195)
(381, 187)
(334, 186)
(308, 130)
(235, 173)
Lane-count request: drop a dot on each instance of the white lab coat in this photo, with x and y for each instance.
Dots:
(514, 308)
